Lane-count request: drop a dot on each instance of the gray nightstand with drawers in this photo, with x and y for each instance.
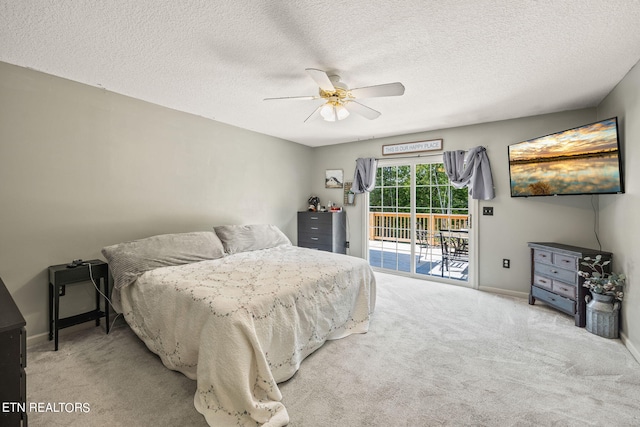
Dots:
(325, 231)
(555, 279)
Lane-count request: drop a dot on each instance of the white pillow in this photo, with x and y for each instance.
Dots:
(129, 260)
(244, 238)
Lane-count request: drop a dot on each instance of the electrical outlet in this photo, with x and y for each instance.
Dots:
(487, 210)
(346, 245)
(506, 263)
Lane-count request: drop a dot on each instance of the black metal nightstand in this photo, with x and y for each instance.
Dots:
(59, 277)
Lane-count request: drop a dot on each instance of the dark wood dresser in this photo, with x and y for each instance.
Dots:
(325, 231)
(13, 360)
(555, 279)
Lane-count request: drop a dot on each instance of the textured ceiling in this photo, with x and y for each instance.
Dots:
(461, 61)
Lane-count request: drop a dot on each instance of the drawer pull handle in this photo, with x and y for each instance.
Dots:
(566, 260)
(554, 271)
(543, 256)
(314, 228)
(552, 299)
(314, 217)
(543, 281)
(314, 238)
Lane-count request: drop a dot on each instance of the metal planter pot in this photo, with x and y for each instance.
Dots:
(603, 315)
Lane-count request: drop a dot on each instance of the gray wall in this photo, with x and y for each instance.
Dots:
(619, 225)
(81, 168)
(515, 222)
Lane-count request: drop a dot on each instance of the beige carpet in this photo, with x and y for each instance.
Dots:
(435, 355)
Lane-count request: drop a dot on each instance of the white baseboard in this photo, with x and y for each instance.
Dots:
(516, 294)
(632, 348)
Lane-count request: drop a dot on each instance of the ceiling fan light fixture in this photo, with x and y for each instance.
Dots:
(337, 95)
(333, 111)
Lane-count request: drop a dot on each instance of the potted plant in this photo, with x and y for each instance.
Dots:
(606, 293)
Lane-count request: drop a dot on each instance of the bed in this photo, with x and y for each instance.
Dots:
(238, 309)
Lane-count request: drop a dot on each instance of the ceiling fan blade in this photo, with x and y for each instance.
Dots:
(322, 79)
(315, 114)
(363, 110)
(292, 97)
(389, 89)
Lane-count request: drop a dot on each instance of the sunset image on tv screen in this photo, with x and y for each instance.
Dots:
(583, 160)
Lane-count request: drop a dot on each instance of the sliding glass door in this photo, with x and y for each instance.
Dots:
(418, 223)
(390, 218)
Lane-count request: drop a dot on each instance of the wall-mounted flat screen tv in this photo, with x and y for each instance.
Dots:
(582, 160)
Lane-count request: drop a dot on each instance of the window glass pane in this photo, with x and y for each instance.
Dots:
(389, 197)
(422, 198)
(378, 177)
(440, 198)
(423, 173)
(389, 176)
(439, 176)
(404, 197)
(460, 200)
(375, 197)
(404, 176)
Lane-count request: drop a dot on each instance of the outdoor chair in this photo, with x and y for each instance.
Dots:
(453, 248)
(422, 238)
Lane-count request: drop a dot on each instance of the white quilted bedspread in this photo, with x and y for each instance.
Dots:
(243, 323)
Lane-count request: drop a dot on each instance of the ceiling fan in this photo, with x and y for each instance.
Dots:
(340, 100)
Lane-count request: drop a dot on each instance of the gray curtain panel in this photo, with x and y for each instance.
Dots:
(471, 170)
(364, 179)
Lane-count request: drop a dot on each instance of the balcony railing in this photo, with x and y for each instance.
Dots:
(397, 226)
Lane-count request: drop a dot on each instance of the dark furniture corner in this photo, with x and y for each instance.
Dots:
(555, 279)
(61, 276)
(13, 361)
(325, 231)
